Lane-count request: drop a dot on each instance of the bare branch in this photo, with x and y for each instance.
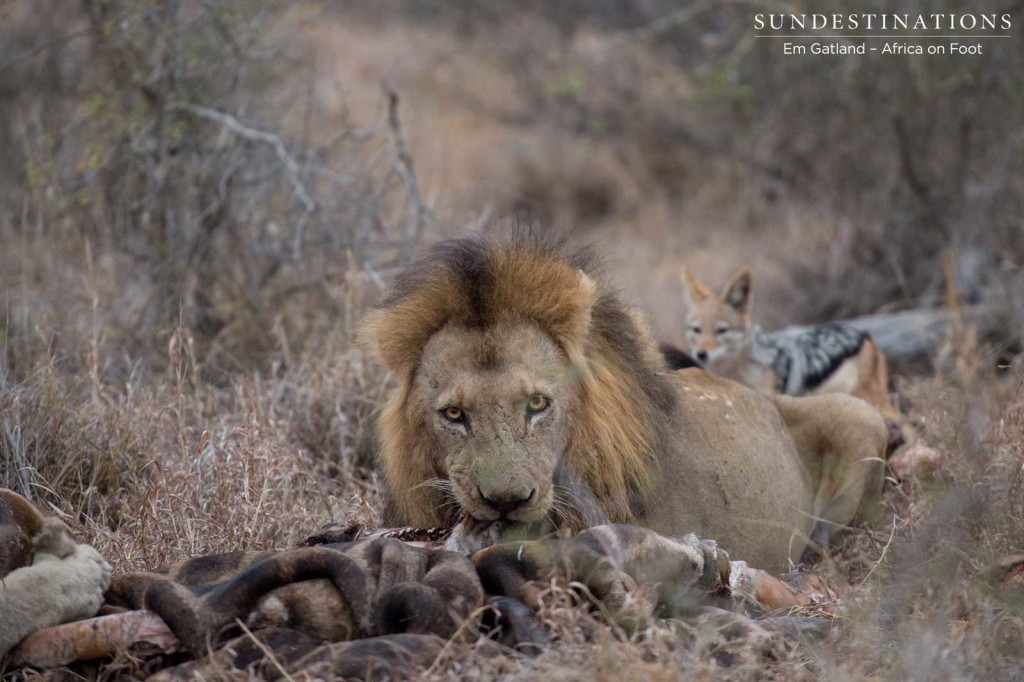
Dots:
(403, 163)
(280, 149)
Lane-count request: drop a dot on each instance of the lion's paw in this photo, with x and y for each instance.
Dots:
(95, 573)
(53, 590)
(79, 583)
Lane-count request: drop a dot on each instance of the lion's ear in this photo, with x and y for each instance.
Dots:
(20, 522)
(694, 290)
(397, 332)
(371, 337)
(572, 332)
(54, 539)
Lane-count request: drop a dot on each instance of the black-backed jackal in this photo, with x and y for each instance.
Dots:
(830, 358)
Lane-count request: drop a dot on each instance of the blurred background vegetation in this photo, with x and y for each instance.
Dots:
(198, 199)
(199, 164)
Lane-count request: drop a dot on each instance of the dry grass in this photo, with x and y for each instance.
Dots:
(157, 473)
(178, 375)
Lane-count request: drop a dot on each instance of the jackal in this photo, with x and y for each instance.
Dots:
(829, 358)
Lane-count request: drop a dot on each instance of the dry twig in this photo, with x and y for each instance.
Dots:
(280, 150)
(404, 165)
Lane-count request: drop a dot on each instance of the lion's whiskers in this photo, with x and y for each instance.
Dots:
(562, 505)
(449, 503)
(442, 485)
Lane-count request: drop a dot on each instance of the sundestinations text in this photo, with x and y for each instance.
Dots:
(883, 22)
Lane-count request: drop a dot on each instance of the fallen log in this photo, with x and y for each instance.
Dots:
(912, 335)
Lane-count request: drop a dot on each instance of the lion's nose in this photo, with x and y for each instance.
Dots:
(506, 503)
(702, 355)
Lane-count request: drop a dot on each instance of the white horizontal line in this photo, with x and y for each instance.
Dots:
(884, 36)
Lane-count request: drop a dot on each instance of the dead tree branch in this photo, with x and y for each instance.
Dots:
(404, 166)
(291, 166)
(912, 334)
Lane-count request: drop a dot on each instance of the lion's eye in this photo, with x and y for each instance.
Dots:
(722, 330)
(695, 329)
(454, 414)
(537, 403)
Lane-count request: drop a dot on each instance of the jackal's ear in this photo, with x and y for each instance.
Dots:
(737, 294)
(694, 290)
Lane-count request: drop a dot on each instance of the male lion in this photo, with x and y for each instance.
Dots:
(531, 398)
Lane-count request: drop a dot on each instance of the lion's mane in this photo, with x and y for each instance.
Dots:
(625, 407)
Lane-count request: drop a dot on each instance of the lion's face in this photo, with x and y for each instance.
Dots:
(495, 403)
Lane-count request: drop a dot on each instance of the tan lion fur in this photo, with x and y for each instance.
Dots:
(678, 452)
(45, 577)
(613, 438)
